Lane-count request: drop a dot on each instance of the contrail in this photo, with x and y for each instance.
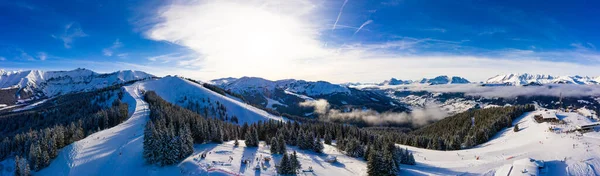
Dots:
(363, 25)
(339, 15)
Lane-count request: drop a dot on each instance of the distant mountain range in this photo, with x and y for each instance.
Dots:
(498, 80)
(532, 79)
(34, 84)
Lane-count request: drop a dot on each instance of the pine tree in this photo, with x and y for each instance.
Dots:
(274, 146)
(295, 162)
(367, 152)
(327, 139)
(236, 143)
(25, 167)
(318, 146)
(373, 163)
(281, 144)
(17, 166)
(516, 128)
(45, 159)
(289, 165)
(34, 154)
(284, 165)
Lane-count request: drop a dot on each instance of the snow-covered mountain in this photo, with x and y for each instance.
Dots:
(33, 84)
(444, 80)
(284, 96)
(297, 86)
(394, 81)
(527, 79)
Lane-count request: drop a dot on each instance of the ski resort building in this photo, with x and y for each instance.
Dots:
(587, 127)
(547, 116)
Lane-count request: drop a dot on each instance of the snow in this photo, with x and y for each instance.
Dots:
(31, 106)
(52, 83)
(306, 98)
(220, 153)
(175, 89)
(271, 102)
(7, 167)
(524, 79)
(534, 140)
(114, 151)
(297, 86)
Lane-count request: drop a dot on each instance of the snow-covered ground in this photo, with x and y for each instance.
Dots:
(534, 140)
(114, 151)
(31, 106)
(220, 153)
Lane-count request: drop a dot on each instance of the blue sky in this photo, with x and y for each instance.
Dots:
(334, 40)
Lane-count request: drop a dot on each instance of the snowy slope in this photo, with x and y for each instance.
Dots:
(179, 91)
(532, 141)
(524, 79)
(114, 151)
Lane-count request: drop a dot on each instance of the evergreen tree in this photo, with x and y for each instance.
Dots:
(17, 166)
(516, 128)
(34, 155)
(295, 162)
(281, 144)
(328, 139)
(318, 146)
(274, 146)
(284, 165)
(373, 163)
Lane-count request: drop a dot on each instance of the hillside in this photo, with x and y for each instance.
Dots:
(563, 153)
(198, 98)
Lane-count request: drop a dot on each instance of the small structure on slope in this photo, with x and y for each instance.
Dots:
(587, 127)
(546, 116)
(526, 166)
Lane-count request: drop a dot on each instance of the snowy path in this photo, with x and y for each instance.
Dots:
(114, 151)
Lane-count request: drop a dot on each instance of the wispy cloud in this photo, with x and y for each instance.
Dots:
(2, 58)
(174, 57)
(122, 55)
(339, 15)
(363, 25)
(110, 50)
(42, 56)
(70, 32)
(492, 31)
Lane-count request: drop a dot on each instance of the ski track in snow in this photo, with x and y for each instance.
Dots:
(114, 151)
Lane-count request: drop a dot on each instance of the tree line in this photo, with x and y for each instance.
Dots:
(464, 130)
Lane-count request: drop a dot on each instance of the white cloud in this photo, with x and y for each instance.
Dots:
(565, 90)
(282, 39)
(42, 56)
(71, 31)
(110, 50)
